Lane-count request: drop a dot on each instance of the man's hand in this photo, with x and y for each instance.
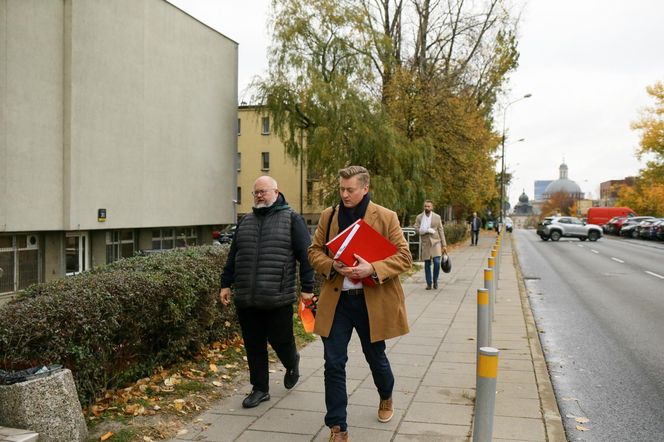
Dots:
(225, 295)
(306, 296)
(362, 269)
(444, 250)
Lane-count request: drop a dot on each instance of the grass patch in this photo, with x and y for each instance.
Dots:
(192, 387)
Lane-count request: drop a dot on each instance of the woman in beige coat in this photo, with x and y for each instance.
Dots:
(429, 226)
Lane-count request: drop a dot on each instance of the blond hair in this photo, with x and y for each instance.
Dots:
(360, 172)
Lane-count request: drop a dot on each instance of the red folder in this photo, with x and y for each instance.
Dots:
(360, 239)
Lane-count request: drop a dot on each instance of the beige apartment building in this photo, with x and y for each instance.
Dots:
(261, 152)
(117, 134)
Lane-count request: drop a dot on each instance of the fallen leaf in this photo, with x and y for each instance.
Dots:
(582, 420)
(217, 384)
(157, 407)
(580, 428)
(106, 436)
(183, 431)
(178, 404)
(213, 368)
(570, 399)
(147, 439)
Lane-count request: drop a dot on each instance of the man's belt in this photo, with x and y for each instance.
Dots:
(353, 292)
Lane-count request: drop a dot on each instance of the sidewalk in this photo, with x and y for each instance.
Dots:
(434, 367)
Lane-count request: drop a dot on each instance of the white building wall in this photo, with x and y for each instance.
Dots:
(127, 105)
(153, 102)
(31, 118)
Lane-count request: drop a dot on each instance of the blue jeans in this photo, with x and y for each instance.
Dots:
(436, 270)
(351, 313)
(474, 235)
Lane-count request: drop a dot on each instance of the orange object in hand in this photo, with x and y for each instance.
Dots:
(307, 312)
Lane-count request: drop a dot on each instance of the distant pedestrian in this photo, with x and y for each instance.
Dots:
(261, 266)
(376, 311)
(475, 226)
(429, 226)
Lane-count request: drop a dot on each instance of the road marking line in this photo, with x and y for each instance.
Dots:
(594, 251)
(618, 260)
(654, 274)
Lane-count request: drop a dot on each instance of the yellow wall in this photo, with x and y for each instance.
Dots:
(287, 171)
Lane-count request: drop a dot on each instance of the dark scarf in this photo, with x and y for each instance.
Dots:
(279, 204)
(348, 216)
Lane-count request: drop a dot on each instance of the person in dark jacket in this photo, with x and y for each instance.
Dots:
(261, 267)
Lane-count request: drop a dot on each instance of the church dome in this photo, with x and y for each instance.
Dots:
(563, 184)
(523, 198)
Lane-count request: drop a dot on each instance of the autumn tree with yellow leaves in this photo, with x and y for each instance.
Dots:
(647, 194)
(405, 88)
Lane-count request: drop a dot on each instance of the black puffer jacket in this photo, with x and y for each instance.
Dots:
(261, 263)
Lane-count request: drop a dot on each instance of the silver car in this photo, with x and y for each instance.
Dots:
(570, 227)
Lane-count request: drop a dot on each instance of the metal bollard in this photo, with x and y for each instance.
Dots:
(494, 255)
(483, 320)
(485, 399)
(488, 284)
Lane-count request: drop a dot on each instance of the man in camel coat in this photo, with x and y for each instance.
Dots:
(432, 237)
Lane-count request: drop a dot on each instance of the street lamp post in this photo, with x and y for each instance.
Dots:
(502, 159)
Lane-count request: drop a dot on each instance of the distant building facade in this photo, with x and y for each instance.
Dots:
(563, 184)
(540, 187)
(118, 134)
(609, 190)
(261, 152)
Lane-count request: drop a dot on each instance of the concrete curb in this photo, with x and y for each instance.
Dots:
(555, 431)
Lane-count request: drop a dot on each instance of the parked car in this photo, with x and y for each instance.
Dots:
(489, 225)
(615, 224)
(628, 227)
(570, 227)
(602, 215)
(647, 229)
(226, 235)
(509, 225)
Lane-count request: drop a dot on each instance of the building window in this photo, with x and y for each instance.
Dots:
(119, 244)
(19, 260)
(265, 160)
(238, 196)
(239, 126)
(310, 193)
(166, 239)
(265, 125)
(238, 159)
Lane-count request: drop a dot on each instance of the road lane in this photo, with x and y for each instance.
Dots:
(602, 332)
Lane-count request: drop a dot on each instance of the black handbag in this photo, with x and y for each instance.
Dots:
(446, 263)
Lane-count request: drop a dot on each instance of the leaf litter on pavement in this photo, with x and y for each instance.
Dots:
(159, 406)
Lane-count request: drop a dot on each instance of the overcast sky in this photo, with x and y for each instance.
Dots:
(586, 63)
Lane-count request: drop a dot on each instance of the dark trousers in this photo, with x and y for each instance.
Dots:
(436, 270)
(351, 313)
(260, 327)
(474, 236)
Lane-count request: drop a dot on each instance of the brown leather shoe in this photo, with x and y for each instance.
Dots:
(337, 435)
(385, 410)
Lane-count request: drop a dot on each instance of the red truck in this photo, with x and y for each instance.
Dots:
(601, 215)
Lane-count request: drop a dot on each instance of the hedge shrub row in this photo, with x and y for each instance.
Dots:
(117, 323)
(455, 232)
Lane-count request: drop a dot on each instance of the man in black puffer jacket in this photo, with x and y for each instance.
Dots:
(261, 267)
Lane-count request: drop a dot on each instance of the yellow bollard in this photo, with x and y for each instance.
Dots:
(485, 402)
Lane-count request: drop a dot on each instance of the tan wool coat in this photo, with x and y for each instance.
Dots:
(432, 243)
(385, 301)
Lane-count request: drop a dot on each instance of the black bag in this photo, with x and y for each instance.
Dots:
(446, 263)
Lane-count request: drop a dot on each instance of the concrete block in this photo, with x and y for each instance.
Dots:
(16, 435)
(48, 405)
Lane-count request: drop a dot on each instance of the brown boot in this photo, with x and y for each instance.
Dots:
(337, 435)
(385, 410)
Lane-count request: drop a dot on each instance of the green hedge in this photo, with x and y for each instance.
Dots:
(119, 322)
(455, 232)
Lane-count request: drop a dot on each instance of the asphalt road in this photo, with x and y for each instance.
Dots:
(599, 307)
